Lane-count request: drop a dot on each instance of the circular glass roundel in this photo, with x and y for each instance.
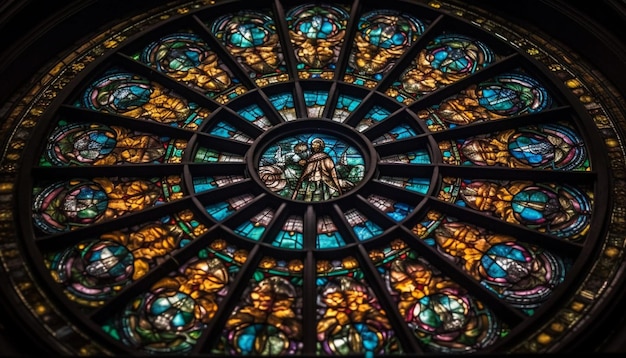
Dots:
(310, 165)
(315, 178)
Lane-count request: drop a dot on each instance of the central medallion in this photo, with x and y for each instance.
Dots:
(311, 166)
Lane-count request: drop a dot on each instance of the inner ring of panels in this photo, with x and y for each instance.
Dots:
(317, 178)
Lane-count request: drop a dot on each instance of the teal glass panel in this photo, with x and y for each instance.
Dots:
(284, 104)
(315, 103)
(345, 106)
(375, 115)
(400, 132)
(396, 210)
(254, 228)
(291, 235)
(221, 210)
(328, 235)
(416, 157)
(420, 185)
(214, 156)
(201, 184)
(363, 228)
(226, 130)
(256, 116)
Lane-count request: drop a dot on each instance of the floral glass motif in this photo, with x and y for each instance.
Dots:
(83, 144)
(522, 274)
(447, 59)
(127, 94)
(546, 146)
(187, 58)
(251, 37)
(311, 167)
(268, 318)
(350, 317)
(559, 210)
(93, 271)
(317, 34)
(171, 316)
(382, 37)
(441, 313)
(71, 204)
(503, 96)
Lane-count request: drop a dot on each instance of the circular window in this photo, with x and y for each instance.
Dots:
(315, 179)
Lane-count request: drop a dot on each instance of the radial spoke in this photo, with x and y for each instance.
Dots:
(127, 170)
(94, 230)
(82, 114)
(178, 87)
(550, 115)
(502, 173)
(522, 233)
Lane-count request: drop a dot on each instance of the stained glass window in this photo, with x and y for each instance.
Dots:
(334, 178)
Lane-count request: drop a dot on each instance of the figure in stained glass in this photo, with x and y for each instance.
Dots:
(318, 180)
(311, 167)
